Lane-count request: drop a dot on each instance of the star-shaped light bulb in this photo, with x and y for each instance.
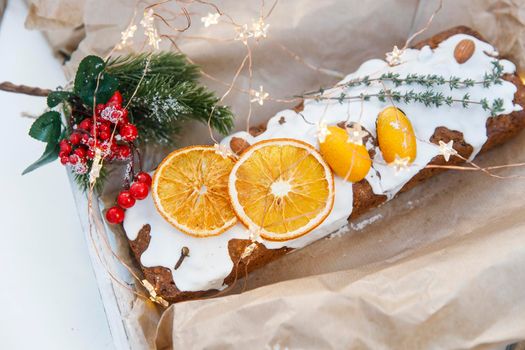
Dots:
(210, 19)
(222, 150)
(322, 131)
(259, 29)
(356, 134)
(126, 35)
(400, 164)
(393, 58)
(148, 23)
(243, 34)
(259, 96)
(447, 150)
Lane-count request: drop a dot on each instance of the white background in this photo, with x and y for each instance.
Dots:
(48, 294)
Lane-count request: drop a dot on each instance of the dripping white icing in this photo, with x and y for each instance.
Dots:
(209, 262)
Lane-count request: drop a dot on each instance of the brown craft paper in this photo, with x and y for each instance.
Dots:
(442, 266)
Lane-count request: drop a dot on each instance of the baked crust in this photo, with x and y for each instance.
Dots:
(499, 129)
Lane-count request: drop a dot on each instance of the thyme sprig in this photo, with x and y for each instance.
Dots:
(428, 98)
(494, 77)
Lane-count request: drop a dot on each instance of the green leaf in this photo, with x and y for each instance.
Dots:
(56, 97)
(47, 127)
(88, 73)
(50, 154)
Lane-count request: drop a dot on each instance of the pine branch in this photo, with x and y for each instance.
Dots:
(168, 94)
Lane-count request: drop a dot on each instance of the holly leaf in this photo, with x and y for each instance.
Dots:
(89, 71)
(56, 97)
(50, 154)
(47, 127)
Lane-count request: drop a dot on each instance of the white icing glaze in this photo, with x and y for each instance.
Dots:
(209, 262)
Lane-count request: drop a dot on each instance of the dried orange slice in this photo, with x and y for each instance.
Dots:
(281, 189)
(190, 190)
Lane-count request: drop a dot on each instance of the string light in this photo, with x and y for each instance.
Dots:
(210, 19)
(150, 30)
(126, 35)
(222, 150)
(95, 167)
(400, 164)
(356, 134)
(322, 131)
(153, 294)
(259, 96)
(260, 29)
(447, 150)
(243, 34)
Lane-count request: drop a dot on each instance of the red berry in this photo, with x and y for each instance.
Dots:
(81, 152)
(124, 119)
(90, 154)
(75, 138)
(115, 215)
(104, 127)
(128, 132)
(114, 147)
(99, 108)
(104, 135)
(64, 160)
(85, 124)
(139, 190)
(125, 199)
(63, 154)
(144, 178)
(85, 138)
(65, 146)
(116, 98)
(124, 152)
(73, 159)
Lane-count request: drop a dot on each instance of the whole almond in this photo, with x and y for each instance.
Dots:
(464, 50)
(238, 145)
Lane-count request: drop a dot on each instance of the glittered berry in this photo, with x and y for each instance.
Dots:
(80, 152)
(116, 98)
(124, 152)
(85, 138)
(65, 146)
(63, 154)
(125, 199)
(64, 160)
(128, 132)
(115, 215)
(144, 178)
(139, 190)
(85, 124)
(90, 154)
(75, 138)
(73, 159)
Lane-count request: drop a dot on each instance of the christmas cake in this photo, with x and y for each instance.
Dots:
(440, 103)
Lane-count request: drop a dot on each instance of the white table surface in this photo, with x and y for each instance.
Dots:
(48, 294)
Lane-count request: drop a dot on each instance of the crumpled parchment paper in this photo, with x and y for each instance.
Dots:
(442, 266)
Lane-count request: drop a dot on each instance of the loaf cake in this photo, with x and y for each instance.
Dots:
(215, 262)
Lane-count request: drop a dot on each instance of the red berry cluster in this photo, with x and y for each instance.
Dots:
(88, 136)
(126, 199)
